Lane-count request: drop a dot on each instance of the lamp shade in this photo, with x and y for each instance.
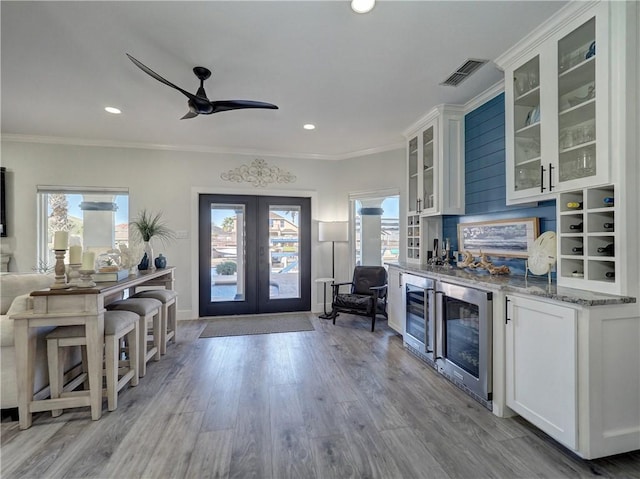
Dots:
(333, 231)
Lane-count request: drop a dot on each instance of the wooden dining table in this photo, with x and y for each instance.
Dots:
(67, 307)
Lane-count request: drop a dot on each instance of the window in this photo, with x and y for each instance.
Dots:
(375, 227)
(96, 218)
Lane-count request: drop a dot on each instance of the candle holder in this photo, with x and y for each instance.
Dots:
(74, 274)
(85, 279)
(61, 278)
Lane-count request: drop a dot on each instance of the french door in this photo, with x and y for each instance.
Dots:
(254, 254)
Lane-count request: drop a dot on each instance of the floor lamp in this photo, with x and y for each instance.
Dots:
(332, 231)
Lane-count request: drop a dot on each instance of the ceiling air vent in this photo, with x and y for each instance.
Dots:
(463, 72)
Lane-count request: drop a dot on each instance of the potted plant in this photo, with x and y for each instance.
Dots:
(147, 226)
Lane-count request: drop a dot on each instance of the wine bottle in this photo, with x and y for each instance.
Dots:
(577, 249)
(608, 226)
(607, 250)
(574, 205)
(576, 228)
(610, 274)
(608, 201)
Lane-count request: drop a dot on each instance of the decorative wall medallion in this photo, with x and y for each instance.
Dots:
(259, 174)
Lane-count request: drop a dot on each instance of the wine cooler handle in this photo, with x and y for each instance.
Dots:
(542, 170)
(400, 279)
(551, 177)
(506, 310)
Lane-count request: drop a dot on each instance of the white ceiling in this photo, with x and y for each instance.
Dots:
(362, 79)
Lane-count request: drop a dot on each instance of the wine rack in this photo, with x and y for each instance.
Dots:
(588, 249)
(413, 239)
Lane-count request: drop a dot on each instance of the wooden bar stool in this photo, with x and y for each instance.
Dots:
(149, 312)
(169, 300)
(118, 325)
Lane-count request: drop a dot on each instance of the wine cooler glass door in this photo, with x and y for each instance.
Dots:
(465, 315)
(419, 327)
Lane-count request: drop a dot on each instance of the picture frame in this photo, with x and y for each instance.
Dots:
(506, 238)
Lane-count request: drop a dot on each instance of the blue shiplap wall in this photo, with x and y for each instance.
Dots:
(485, 186)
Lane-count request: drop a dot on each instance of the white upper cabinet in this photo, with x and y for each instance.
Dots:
(557, 103)
(435, 156)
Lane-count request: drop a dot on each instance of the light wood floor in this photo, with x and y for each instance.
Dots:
(336, 402)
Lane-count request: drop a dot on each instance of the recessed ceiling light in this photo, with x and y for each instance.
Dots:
(113, 110)
(309, 126)
(362, 6)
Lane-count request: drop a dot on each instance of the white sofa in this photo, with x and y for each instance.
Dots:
(14, 298)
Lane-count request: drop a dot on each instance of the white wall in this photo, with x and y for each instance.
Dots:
(169, 181)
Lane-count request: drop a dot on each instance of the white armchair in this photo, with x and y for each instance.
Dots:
(14, 299)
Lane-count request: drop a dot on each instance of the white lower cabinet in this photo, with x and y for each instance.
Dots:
(574, 372)
(395, 300)
(541, 366)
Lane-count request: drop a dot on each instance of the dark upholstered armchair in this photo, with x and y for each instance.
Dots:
(367, 295)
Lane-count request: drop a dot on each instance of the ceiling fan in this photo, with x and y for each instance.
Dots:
(199, 104)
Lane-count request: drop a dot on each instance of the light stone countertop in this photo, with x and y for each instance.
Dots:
(534, 286)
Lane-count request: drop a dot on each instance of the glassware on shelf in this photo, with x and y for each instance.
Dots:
(533, 80)
(566, 138)
(577, 135)
(586, 162)
(577, 100)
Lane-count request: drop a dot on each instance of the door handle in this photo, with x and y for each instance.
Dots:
(542, 170)
(550, 177)
(261, 250)
(506, 310)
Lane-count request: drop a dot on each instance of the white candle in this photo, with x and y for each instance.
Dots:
(88, 260)
(75, 254)
(60, 240)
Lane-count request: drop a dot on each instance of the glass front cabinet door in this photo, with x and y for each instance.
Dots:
(421, 169)
(556, 109)
(435, 163)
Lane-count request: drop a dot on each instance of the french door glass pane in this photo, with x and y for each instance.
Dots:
(284, 254)
(228, 252)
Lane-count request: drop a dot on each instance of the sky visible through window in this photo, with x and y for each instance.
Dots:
(122, 213)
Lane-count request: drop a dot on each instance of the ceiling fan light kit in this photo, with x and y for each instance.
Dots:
(362, 6)
(199, 104)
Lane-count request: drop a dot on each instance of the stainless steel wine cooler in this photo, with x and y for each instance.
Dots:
(449, 326)
(420, 317)
(464, 319)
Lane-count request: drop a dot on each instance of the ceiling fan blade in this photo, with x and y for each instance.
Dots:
(150, 72)
(226, 105)
(189, 114)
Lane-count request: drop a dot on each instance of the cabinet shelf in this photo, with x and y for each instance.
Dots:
(529, 98)
(577, 147)
(528, 131)
(575, 76)
(591, 102)
(527, 162)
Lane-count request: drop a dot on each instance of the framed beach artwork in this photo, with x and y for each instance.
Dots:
(509, 238)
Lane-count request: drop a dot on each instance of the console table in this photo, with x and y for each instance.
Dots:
(66, 307)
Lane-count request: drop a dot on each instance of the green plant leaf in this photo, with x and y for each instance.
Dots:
(148, 225)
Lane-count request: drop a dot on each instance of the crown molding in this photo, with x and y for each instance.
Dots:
(520, 51)
(54, 140)
(489, 94)
(432, 115)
